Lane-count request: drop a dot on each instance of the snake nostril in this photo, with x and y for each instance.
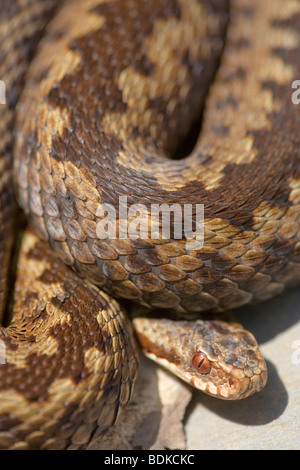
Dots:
(230, 382)
(201, 363)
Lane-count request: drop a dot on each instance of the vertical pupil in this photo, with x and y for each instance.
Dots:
(201, 362)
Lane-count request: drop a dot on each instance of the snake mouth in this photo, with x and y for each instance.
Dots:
(257, 383)
(220, 382)
(229, 387)
(228, 383)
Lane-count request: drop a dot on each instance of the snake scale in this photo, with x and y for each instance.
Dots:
(101, 97)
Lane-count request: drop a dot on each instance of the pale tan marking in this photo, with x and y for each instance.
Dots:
(57, 54)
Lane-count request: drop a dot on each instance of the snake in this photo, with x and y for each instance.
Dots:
(164, 102)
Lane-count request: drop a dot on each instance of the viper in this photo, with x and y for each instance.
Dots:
(175, 102)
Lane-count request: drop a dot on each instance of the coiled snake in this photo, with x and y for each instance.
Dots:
(109, 100)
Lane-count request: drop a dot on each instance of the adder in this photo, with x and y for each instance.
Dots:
(162, 102)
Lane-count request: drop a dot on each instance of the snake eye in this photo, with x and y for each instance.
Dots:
(201, 363)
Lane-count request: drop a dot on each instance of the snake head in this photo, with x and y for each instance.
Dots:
(221, 359)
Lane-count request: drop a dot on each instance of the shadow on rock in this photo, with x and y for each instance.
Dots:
(256, 410)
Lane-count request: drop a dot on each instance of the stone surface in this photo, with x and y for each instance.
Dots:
(271, 418)
(267, 420)
(154, 417)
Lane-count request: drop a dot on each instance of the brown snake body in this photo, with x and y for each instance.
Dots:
(109, 97)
